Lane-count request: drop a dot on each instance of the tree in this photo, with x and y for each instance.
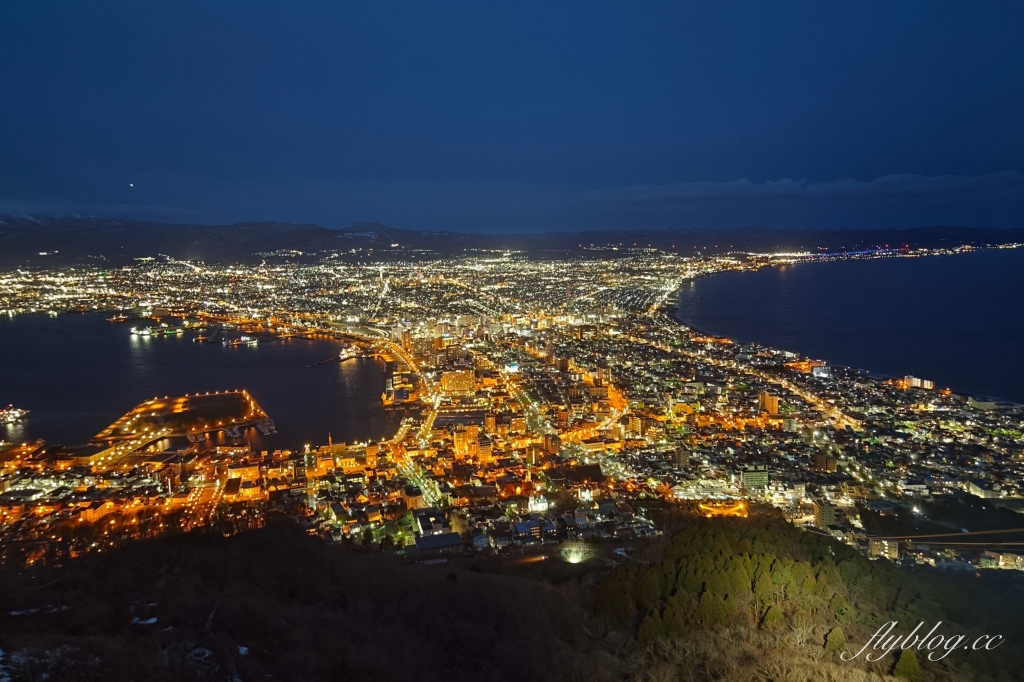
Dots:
(907, 667)
(836, 640)
(773, 616)
(613, 599)
(781, 572)
(648, 587)
(651, 628)
(763, 590)
(672, 622)
(838, 604)
(711, 611)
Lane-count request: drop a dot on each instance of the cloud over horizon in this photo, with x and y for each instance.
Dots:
(891, 201)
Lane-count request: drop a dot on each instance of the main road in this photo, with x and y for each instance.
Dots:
(836, 416)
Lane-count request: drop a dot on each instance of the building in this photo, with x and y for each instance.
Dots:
(824, 514)
(234, 450)
(413, 497)
(914, 382)
(585, 332)
(244, 471)
(754, 477)
(466, 440)
(430, 521)
(441, 543)
(458, 381)
(552, 444)
(682, 455)
(484, 448)
(769, 403)
(878, 547)
(824, 464)
(983, 489)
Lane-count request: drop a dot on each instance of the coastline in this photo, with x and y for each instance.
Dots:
(673, 309)
(277, 373)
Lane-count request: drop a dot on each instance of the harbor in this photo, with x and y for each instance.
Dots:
(117, 369)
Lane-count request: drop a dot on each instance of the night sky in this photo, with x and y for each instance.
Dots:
(516, 116)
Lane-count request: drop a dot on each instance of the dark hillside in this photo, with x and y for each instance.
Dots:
(276, 604)
(730, 599)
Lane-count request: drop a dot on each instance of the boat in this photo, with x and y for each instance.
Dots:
(242, 341)
(11, 414)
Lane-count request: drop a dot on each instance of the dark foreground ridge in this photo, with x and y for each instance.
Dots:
(31, 241)
(722, 599)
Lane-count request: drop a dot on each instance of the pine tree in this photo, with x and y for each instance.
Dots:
(763, 589)
(648, 587)
(672, 622)
(773, 616)
(836, 640)
(738, 582)
(781, 572)
(711, 611)
(651, 629)
(613, 600)
(907, 667)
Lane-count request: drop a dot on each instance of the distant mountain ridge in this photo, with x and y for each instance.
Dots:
(64, 240)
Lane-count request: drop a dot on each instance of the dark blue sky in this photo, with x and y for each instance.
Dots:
(516, 116)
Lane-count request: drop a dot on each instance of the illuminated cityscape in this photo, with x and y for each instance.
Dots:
(514, 342)
(544, 400)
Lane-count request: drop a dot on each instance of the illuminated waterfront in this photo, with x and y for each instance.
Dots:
(525, 384)
(945, 318)
(78, 373)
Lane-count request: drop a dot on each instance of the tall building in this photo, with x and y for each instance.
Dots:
(754, 477)
(483, 448)
(682, 455)
(458, 381)
(769, 403)
(552, 444)
(372, 453)
(465, 440)
(824, 464)
(585, 331)
(824, 514)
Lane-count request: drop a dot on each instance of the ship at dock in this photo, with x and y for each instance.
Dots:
(241, 341)
(11, 414)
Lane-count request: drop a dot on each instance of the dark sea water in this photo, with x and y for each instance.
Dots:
(957, 320)
(78, 373)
